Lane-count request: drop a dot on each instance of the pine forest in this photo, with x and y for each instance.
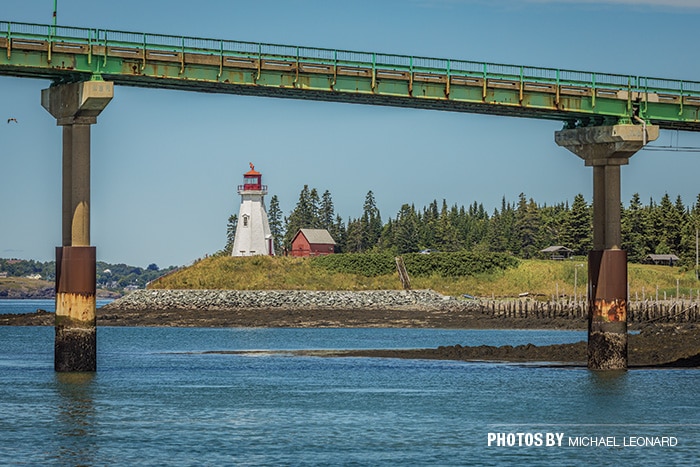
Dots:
(521, 228)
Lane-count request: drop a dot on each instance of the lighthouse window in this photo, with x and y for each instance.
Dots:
(250, 180)
(245, 221)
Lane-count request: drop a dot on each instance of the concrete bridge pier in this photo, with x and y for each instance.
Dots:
(606, 148)
(75, 107)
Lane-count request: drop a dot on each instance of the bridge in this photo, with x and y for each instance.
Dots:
(607, 118)
(579, 98)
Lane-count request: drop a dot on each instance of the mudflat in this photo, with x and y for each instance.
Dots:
(408, 317)
(655, 345)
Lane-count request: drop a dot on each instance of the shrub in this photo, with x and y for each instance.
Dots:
(441, 264)
(364, 264)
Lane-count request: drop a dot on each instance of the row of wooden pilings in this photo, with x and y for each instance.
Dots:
(663, 311)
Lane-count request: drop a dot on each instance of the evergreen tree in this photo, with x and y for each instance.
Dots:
(372, 222)
(554, 224)
(329, 221)
(501, 230)
(327, 213)
(339, 235)
(510, 225)
(406, 232)
(528, 226)
(428, 226)
(579, 227)
(655, 229)
(386, 239)
(446, 235)
(635, 228)
(302, 217)
(496, 238)
(477, 229)
(670, 224)
(274, 216)
(680, 207)
(355, 236)
(315, 208)
(231, 227)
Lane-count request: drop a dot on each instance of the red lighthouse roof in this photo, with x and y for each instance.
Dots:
(252, 170)
(252, 181)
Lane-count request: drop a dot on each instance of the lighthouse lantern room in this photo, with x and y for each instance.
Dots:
(253, 236)
(251, 180)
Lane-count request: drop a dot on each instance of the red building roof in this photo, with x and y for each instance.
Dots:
(312, 242)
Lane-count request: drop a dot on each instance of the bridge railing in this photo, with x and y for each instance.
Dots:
(662, 84)
(347, 58)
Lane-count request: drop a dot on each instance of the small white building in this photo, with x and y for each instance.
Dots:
(253, 236)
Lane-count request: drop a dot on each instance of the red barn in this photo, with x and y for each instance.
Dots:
(312, 242)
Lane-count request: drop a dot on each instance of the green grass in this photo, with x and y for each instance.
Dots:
(266, 273)
(538, 277)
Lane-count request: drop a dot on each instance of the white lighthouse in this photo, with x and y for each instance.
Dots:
(253, 235)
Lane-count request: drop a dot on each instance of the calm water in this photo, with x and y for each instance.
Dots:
(30, 306)
(157, 399)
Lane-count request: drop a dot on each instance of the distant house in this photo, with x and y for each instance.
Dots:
(557, 252)
(312, 242)
(665, 260)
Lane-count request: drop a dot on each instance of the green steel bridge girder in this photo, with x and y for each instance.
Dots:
(576, 103)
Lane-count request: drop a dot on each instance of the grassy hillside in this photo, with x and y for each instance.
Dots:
(15, 287)
(533, 276)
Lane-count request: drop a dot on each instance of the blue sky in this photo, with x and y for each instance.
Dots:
(165, 164)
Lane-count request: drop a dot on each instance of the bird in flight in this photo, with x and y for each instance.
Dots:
(11, 120)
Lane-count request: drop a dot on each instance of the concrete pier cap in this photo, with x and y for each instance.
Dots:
(79, 102)
(606, 145)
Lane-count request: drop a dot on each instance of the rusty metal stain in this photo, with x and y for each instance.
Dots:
(76, 269)
(609, 311)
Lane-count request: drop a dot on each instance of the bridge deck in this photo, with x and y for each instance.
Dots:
(210, 65)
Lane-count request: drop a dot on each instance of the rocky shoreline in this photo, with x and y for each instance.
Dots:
(299, 308)
(210, 300)
(657, 345)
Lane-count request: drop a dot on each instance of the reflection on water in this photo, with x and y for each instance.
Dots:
(609, 381)
(75, 418)
(607, 392)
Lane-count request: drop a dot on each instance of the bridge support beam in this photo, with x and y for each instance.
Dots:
(75, 107)
(606, 148)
